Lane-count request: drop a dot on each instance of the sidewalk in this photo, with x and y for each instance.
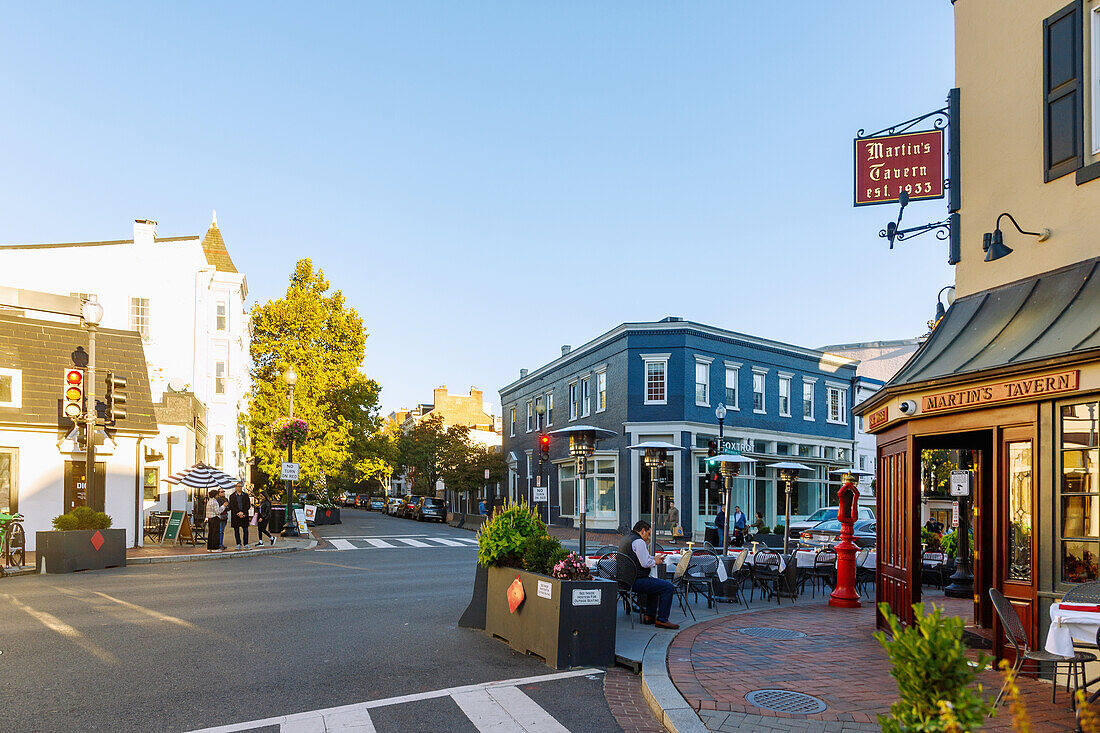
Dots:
(833, 659)
(156, 553)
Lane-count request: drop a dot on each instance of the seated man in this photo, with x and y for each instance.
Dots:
(655, 590)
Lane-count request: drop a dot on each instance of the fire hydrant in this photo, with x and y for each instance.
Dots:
(844, 594)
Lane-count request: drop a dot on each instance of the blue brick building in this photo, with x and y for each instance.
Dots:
(663, 381)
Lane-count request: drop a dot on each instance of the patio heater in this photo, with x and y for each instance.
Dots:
(582, 444)
(844, 594)
(730, 468)
(788, 474)
(655, 455)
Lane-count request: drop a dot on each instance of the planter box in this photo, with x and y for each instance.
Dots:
(327, 515)
(568, 623)
(80, 549)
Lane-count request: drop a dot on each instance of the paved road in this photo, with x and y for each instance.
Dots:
(198, 645)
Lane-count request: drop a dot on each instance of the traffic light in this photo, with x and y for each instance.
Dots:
(72, 396)
(544, 448)
(115, 397)
(712, 451)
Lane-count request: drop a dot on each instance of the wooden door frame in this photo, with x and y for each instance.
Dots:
(1015, 590)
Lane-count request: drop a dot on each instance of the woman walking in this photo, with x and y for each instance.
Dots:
(263, 514)
(214, 512)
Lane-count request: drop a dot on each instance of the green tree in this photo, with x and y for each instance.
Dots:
(430, 452)
(314, 331)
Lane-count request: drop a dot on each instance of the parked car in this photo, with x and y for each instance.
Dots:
(865, 534)
(430, 508)
(347, 499)
(824, 514)
(408, 506)
(362, 501)
(393, 506)
(377, 503)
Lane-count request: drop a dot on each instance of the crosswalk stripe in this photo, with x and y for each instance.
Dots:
(525, 711)
(448, 543)
(412, 543)
(343, 545)
(505, 709)
(379, 543)
(467, 541)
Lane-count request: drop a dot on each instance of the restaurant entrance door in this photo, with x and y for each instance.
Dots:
(1016, 516)
(76, 487)
(665, 483)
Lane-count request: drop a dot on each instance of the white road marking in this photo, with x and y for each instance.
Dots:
(147, 611)
(412, 543)
(354, 711)
(505, 709)
(378, 543)
(526, 711)
(53, 623)
(448, 543)
(343, 545)
(364, 536)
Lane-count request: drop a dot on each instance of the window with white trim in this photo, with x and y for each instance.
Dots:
(785, 396)
(219, 377)
(808, 398)
(9, 480)
(733, 371)
(530, 416)
(219, 451)
(601, 391)
(758, 385)
(539, 418)
(11, 388)
(838, 405)
(572, 400)
(512, 422)
(656, 378)
(586, 397)
(549, 409)
(702, 383)
(139, 316)
(221, 316)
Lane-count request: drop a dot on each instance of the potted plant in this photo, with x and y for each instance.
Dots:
(541, 599)
(81, 540)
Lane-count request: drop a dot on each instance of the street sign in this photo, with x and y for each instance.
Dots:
(960, 483)
(486, 474)
(540, 493)
(288, 471)
(954, 514)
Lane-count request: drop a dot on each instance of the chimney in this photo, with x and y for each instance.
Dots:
(145, 231)
(522, 373)
(566, 349)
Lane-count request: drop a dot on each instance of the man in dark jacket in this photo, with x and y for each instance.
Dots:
(658, 593)
(239, 505)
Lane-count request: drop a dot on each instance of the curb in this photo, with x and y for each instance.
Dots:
(660, 692)
(198, 557)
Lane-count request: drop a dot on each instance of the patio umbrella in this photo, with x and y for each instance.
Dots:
(204, 477)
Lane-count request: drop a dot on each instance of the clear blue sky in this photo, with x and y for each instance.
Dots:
(486, 181)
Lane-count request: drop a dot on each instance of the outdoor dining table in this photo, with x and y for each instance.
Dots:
(1076, 622)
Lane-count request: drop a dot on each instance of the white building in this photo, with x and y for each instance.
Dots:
(185, 297)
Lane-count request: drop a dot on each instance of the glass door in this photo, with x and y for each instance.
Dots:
(1016, 543)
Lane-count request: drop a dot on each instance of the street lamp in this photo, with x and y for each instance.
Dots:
(290, 526)
(655, 456)
(844, 594)
(788, 473)
(730, 468)
(92, 314)
(582, 444)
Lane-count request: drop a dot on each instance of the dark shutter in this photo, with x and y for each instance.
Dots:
(1063, 115)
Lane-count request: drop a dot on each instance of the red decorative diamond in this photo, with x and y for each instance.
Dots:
(97, 540)
(328, 512)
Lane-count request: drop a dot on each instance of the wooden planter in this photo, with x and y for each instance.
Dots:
(79, 549)
(568, 623)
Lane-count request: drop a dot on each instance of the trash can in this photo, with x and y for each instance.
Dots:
(276, 519)
(711, 534)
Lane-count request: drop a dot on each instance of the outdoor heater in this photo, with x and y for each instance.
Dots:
(788, 474)
(582, 444)
(730, 468)
(655, 455)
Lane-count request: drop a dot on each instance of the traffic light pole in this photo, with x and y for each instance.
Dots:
(89, 422)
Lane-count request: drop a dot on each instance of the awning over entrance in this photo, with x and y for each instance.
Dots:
(1048, 316)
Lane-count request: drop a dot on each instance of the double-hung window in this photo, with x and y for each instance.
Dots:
(702, 380)
(221, 317)
(11, 388)
(759, 381)
(572, 400)
(219, 377)
(601, 391)
(530, 416)
(656, 378)
(1078, 522)
(549, 409)
(733, 371)
(512, 422)
(139, 316)
(837, 403)
(785, 395)
(808, 398)
(586, 397)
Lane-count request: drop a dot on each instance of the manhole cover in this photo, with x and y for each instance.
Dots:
(785, 701)
(767, 633)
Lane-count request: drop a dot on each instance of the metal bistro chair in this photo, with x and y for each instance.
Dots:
(702, 571)
(765, 575)
(606, 550)
(823, 571)
(622, 570)
(933, 569)
(1015, 635)
(680, 584)
(863, 574)
(738, 575)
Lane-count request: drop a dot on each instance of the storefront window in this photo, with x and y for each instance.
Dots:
(1080, 493)
(152, 483)
(708, 495)
(602, 495)
(8, 495)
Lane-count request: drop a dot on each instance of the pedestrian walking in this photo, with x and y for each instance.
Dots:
(214, 512)
(673, 521)
(658, 593)
(720, 523)
(224, 514)
(239, 505)
(740, 523)
(263, 514)
(759, 525)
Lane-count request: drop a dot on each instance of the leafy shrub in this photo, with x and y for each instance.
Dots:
(950, 544)
(82, 517)
(930, 539)
(503, 536)
(572, 567)
(779, 529)
(933, 675)
(542, 553)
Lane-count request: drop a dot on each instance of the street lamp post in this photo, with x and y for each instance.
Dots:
(540, 410)
(788, 473)
(92, 314)
(730, 468)
(582, 444)
(720, 413)
(290, 526)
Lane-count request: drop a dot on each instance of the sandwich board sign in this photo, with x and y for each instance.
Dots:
(300, 519)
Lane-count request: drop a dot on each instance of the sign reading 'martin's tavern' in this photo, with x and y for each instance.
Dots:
(887, 166)
(1016, 389)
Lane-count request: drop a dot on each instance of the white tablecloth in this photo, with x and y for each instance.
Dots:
(1069, 626)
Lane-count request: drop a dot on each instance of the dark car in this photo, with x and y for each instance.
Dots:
(377, 503)
(408, 506)
(362, 501)
(348, 500)
(430, 508)
(864, 534)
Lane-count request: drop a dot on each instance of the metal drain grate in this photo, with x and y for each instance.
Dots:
(785, 701)
(767, 633)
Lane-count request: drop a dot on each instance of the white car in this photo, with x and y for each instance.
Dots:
(824, 514)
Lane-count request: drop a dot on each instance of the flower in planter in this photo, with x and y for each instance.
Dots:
(572, 568)
(287, 431)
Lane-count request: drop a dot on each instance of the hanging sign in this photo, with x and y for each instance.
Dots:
(960, 483)
(886, 166)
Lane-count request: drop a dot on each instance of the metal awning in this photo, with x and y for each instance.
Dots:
(1047, 317)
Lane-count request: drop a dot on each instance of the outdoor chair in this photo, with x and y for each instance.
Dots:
(863, 573)
(702, 572)
(679, 583)
(624, 572)
(823, 572)
(605, 550)
(765, 575)
(1017, 637)
(737, 575)
(709, 549)
(933, 569)
(1083, 593)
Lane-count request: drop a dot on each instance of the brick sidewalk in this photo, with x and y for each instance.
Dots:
(838, 661)
(623, 691)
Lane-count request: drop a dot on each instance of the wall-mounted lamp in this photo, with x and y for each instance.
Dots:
(940, 310)
(993, 242)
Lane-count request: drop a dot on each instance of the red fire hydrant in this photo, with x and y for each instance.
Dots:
(844, 595)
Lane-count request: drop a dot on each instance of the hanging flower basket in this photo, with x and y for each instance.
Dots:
(287, 431)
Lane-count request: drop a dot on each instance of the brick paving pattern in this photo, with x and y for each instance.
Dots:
(623, 691)
(838, 661)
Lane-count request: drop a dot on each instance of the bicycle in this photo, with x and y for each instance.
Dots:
(13, 540)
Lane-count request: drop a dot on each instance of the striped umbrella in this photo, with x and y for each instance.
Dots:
(204, 477)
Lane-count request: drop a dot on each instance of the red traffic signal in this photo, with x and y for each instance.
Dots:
(544, 447)
(712, 449)
(72, 396)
